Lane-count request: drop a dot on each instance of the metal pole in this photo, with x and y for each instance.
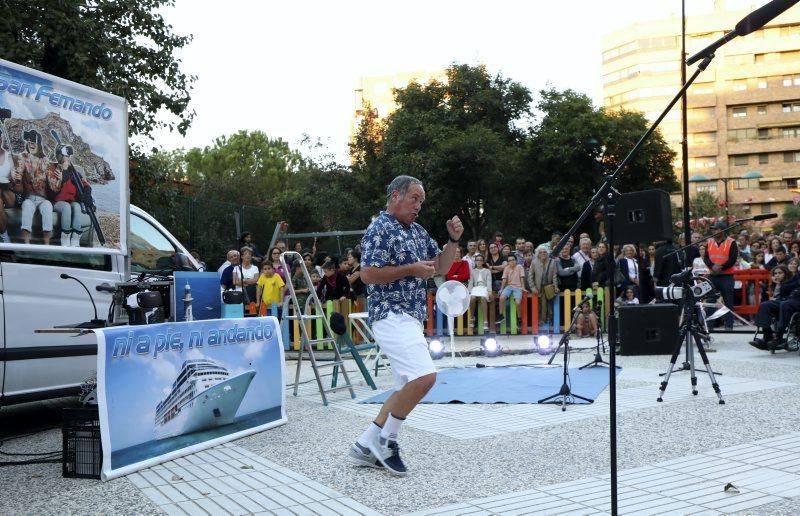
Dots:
(684, 133)
(726, 198)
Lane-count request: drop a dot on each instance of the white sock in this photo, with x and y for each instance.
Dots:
(369, 435)
(391, 428)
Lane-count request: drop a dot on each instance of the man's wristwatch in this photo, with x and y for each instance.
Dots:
(450, 240)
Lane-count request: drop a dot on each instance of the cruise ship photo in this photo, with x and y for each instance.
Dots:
(204, 395)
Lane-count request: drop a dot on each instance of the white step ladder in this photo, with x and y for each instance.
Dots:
(307, 343)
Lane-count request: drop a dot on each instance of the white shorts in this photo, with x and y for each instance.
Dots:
(400, 337)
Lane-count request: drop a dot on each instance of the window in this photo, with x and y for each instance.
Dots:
(741, 159)
(791, 132)
(766, 208)
(741, 184)
(790, 31)
(739, 85)
(97, 262)
(739, 112)
(703, 138)
(151, 250)
(704, 162)
(735, 135)
(790, 107)
(741, 59)
(763, 158)
(709, 187)
(791, 157)
(703, 113)
(762, 83)
(791, 80)
(761, 110)
(763, 134)
(705, 88)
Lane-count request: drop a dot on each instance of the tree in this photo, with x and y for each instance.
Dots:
(120, 46)
(571, 147)
(651, 166)
(561, 170)
(245, 168)
(460, 138)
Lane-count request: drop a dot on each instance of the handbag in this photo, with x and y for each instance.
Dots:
(549, 292)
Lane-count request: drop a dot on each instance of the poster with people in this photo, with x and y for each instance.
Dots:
(63, 164)
(168, 390)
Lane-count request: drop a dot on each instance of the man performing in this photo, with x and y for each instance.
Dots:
(397, 258)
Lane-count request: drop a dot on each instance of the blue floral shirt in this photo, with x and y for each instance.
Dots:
(388, 242)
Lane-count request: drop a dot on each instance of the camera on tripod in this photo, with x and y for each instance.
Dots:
(696, 285)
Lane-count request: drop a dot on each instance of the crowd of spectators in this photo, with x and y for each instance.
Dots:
(494, 269)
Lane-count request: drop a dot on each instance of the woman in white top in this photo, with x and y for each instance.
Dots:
(773, 245)
(249, 271)
(480, 286)
(698, 264)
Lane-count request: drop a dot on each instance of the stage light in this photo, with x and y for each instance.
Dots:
(543, 344)
(490, 346)
(436, 349)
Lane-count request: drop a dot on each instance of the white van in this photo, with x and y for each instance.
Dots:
(36, 366)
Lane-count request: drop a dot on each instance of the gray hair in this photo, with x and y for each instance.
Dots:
(400, 184)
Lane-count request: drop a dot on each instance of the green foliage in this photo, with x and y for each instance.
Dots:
(571, 148)
(247, 168)
(467, 141)
(651, 166)
(459, 138)
(120, 46)
(705, 204)
(561, 170)
(790, 218)
(155, 179)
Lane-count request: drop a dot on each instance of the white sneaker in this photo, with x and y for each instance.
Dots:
(65, 239)
(388, 453)
(75, 240)
(361, 456)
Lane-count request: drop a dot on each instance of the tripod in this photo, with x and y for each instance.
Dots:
(690, 330)
(565, 394)
(598, 357)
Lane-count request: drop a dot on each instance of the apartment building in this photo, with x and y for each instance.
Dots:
(378, 92)
(743, 111)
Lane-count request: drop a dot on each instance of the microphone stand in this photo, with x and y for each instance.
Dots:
(565, 394)
(608, 195)
(598, 357)
(94, 323)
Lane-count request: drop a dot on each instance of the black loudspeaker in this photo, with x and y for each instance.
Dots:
(644, 216)
(648, 329)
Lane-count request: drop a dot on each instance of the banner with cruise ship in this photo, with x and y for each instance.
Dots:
(167, 390)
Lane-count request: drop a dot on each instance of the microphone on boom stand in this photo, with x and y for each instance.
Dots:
(94, 323)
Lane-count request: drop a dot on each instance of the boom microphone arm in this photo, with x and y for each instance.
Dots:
(750, 23)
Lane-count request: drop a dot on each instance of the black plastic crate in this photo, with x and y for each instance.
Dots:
(82, 450)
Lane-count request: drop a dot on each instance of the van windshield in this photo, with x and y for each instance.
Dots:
(152, 251)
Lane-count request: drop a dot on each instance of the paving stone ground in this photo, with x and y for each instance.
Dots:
(674, 457)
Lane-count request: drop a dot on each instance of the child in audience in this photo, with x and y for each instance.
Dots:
(628, 297)
(480, 287)
(586, 325)
(300, 285)
(269, 288)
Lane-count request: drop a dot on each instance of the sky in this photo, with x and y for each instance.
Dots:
(291, 68)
